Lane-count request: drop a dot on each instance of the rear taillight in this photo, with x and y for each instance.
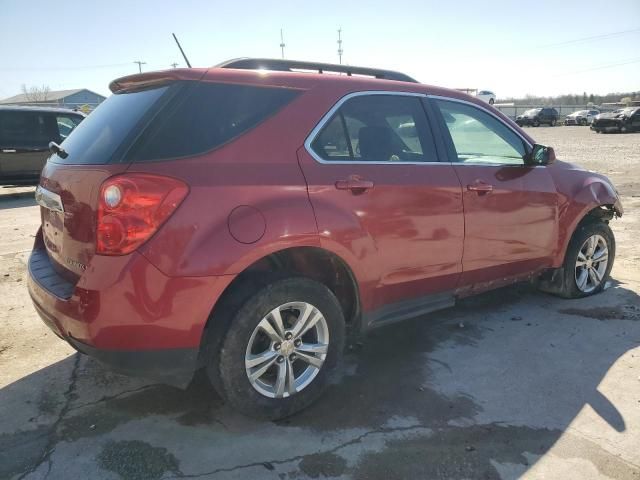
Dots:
(132, 207)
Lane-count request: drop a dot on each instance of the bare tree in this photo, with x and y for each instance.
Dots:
(35, 94)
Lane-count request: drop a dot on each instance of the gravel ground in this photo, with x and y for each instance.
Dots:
(509, 384)
(615, 155)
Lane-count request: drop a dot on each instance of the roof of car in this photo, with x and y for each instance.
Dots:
(25, 108)
(287, 79)
(330, 84)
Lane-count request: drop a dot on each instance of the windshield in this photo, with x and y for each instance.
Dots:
(98, 137)
(533, 111)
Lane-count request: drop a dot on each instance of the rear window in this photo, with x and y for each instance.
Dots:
(98, 137)
(178, 120)
(205, 116)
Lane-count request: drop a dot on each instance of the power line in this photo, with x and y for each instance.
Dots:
(589, 39)
(81, 67)
(602, 67)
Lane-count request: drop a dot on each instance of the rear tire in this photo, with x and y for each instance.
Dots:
(536, 123)
(491, 101)
(255, 339)
(553, 122)
(579, 260)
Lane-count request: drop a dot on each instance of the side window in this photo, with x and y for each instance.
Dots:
(377, 128)
(205, 116)
(66, 124)
(22, 129)
(479, 137)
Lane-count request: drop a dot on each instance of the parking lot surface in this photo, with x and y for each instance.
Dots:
(513, 383)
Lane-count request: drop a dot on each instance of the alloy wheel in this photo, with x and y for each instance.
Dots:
(591, 264)
(287, 349)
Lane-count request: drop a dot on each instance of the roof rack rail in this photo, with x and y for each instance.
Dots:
(292, 65)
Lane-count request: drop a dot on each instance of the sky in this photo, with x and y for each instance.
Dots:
(542, 47)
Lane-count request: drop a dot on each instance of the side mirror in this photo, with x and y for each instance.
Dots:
(541, 155)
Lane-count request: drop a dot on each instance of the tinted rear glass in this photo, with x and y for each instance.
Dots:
(98, 137)
(204, 116)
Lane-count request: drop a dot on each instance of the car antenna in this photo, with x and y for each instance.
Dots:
(181, 51)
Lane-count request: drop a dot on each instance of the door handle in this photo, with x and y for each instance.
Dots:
(355, 184)
(480, 187)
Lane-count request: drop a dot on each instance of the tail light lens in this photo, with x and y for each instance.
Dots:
(131, 209)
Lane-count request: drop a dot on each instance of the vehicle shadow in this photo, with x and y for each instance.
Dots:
(16, 197)
(495, 381)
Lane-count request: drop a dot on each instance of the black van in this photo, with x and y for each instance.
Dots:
(25, 133)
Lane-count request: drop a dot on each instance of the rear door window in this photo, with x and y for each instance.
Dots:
(377, 128)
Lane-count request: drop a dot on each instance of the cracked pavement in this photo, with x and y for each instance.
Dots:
(513, 383)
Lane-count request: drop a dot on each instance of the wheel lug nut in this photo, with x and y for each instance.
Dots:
(277, 346)
(280, 359)
(288, 336)
(298, 342)
(292, 357)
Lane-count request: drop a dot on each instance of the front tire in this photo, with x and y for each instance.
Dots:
(280, 349)
(491, 101)
(553, 123)
(588, 260)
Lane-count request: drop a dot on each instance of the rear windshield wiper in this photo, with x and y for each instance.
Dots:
(58, 150)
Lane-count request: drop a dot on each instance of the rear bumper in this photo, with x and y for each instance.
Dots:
(171, 366)
(126, 313)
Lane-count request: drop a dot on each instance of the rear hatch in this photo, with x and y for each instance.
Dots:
(151, 117)
(92, 153)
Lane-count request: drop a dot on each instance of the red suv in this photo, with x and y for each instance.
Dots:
(244, 218)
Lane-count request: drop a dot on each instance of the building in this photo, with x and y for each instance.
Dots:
(80, 98)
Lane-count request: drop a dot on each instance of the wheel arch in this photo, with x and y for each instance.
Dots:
(596, 201)
(310, 261)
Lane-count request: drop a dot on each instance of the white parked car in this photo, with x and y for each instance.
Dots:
(581, 117)
(486, 95)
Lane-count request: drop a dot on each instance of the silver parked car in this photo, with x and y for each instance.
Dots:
(581, 117)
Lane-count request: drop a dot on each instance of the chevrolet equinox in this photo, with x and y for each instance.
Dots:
(242, 219)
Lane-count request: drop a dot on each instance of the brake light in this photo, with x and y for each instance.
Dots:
(132, 207)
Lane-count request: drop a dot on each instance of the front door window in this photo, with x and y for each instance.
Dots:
(478, 137)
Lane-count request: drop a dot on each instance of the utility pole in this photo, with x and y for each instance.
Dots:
(340, 50)
(282, 45)
(140, 65)
(174, 65)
